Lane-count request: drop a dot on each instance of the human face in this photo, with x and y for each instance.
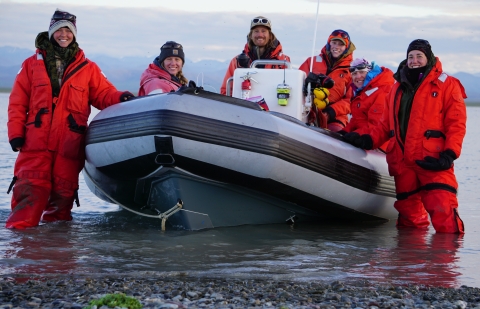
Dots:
(416, 59)
(63, 37)
(260, 36)
(358, 78)
(337, 48)
(173, 65)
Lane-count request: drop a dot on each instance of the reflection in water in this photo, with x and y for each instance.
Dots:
(40, 252)
(419, 257)
(116, 244)
(102, 239)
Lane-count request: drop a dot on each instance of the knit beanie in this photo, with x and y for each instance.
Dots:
(171, 49)
(421, 45)
(62, 19)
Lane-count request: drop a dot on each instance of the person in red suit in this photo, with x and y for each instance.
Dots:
(48, 112)
(425, 122)
(333, 61)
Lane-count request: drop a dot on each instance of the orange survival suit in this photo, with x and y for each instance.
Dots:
(274, 54)
(437, 123)
(339, 97)
(52, 131)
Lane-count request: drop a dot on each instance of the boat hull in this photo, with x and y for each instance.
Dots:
(224, 152)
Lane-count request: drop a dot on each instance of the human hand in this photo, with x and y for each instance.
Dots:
(126, 96)
(444, 161)
(243, 60)
(361, 141)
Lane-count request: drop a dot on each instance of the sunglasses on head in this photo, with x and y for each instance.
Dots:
(260, 21)
(360, 67)
(341, 33)
(172, 44)
(64, 16)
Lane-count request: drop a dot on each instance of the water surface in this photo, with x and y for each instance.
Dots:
(103, 239)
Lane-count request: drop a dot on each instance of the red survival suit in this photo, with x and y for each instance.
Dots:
(156, 80)
(368, 104)
(339, 97)
(437, 122)
(53, 130)
(275, 54)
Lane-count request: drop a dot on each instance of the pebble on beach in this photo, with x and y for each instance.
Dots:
(186, 292)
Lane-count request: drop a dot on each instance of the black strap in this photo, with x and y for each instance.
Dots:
(73, 125)
(14, 180)
(427, 187)
(75, 196)
(81, 65)
(42, 111)
(434, 133)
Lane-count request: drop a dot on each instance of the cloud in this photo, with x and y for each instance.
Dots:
(122, 32)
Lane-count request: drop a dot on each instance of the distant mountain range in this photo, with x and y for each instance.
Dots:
(125, 72)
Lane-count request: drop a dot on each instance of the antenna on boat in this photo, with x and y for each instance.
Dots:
(314, 38)
(308, 102)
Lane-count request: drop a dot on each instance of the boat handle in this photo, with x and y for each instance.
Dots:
(270, 61)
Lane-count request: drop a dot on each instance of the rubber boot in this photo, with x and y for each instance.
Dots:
(28, 203)
(59, 208)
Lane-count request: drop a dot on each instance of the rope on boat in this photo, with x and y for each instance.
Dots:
(163, 216)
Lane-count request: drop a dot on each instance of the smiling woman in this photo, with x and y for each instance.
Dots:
(165, 73)
(51, 145)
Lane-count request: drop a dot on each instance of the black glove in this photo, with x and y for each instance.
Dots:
(342, 132)
(317, 81)
(243, 60)
(444, 161)
(361, 141)
(351, 137)
(330, 113)
(126, 96)
(16, 143)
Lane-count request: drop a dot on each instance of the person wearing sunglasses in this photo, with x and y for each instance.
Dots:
(370, 86)
(261, 44)
(334, 61)
(48, 110)
(424, 121)
(165, 73)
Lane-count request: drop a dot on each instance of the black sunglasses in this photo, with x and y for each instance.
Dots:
(260, 21)
(341, 33)
(360, 67)
(58, 15)
(172, 44)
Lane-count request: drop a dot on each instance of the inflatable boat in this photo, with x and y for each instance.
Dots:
(197, 159)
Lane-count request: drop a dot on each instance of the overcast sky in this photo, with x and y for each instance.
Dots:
(381, 30)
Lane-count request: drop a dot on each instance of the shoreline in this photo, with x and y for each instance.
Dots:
(195, 292)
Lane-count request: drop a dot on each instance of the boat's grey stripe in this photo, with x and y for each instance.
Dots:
(207, 130)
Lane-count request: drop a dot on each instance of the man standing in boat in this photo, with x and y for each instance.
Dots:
(261, 44)
(425, 121)
(334, 61)
(47, 119)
